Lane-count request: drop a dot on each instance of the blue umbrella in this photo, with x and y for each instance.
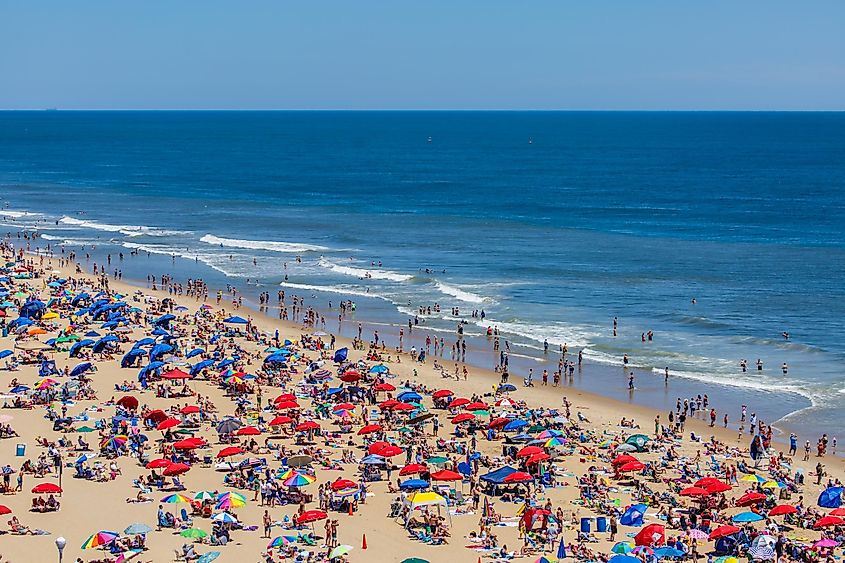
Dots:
(412, 484)
(515, 425)
(19, 389)
(5, 354)
(159, 350)
(410, 397)
(831, 497)
(668, 552)
(634, 515)
(195, 352)
(144, 342)
(507, 387)
(80, 369)
(198, 367)
(379, 369)
(747, 517)
(373, 460)
(236, 320)
(624, 559)
(561, 549)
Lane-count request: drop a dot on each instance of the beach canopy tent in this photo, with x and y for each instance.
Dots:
(425, 499)
(236, 320)
(633, 516)
(831, 497)
(498, 477)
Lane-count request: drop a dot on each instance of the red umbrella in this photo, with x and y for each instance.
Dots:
(307, 425)
(370, 428)
(413, 468)
(390, 451)
(176, 469)
(446, 475)
(537, 458)
(518, 477)
(176, 374)
(463, 417)
(285, 405)
(189, 444)
(826, 521)
(311, 516)
(375, 447)
(623, 459)
(128, 402)
(231, 450)
(168, 423)
(248, 431)
(750, 498)
(787, 509)
(157, 463)
(343, 406)
(442, 393)
(694, 492)
(279, 420)
(653, 534)
(350, 376)
(835, 512)
(403, 407)
(459, 402)
(155, 416)
(388, 404)
(477, 406)
(189, 409)
(341, 484)
(285, 397)
(5, 509)
(723, 531)
(384, 387)
(703, 483)
(498, 422)
(718, 487)
(632, 466)
(46, 488)
(528, 451)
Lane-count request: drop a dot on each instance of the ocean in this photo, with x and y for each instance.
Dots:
(717, 231)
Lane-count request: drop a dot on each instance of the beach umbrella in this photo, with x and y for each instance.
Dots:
(826, 521)
(463, 417)
(194, 352)
(128, 402)
(751, 478)
(168, 423)
(311, 516)
(633, 516)
(697, 534)
(476, 406)
(230, 500)
(5, 354)
(412, 468)
(229, 451)
(528, 451)
(626, 448)
(782, 509)
(281, 541)
(205, 495)
(176, 469)
(236, 320)
(341, 484)
(279, 420)
(224, 517)
(515, 425)
(158, 463)
(750, 498)
(137, 529)
(446, 475)
(443, 393)
(5, 509)
(46, 488)
(653, 534)
(632, 466)
(668, 552)
(835, 512)
(248, 431)
(722, 531)
(175, 374)
(100, 538)
(369, 429)
(746, 517)
(718, 487)
(414, 560)
(189, 409)
(188, 444)
(208, 557)
(761, 552)
(624, 559)
(694, 492)
(622, 547)
(285, 405)
(193, 533)
(307, 425)
(826, 543)
(340, 551)
(228, 425)
(299, 480)
(384, 387)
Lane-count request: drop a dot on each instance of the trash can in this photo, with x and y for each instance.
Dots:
(20, 450)
(585, 525)
(601, 524)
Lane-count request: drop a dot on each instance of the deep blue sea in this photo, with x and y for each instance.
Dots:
(553, 223)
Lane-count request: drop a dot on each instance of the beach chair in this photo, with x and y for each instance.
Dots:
(187, 521)
(206, 461)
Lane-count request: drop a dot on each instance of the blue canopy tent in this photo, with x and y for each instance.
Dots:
(236, 320)
(413, 484)
(831, 497)
(498, 477)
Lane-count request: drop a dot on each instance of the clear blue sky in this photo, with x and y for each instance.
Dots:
(309, 54)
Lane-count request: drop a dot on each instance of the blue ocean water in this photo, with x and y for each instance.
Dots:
(553, 223)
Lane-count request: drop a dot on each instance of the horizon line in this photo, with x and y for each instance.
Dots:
(385, 110)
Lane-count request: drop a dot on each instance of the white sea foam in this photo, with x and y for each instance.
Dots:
(128, 230)
(341, 290)
(362, 273)
(461, 294)
(18, 214)
(273, 246)
(213, 261)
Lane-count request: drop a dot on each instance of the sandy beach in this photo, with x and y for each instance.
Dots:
(576, 470)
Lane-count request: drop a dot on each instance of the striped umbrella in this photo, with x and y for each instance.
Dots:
(100, 538)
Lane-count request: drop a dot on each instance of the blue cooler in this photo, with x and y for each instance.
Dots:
(20, 450)
(601, 524)
(585, 525)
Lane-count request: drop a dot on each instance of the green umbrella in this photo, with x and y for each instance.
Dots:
(193, 533)
(437, 460)
(84, 429)
(414, 560)
(137, 529)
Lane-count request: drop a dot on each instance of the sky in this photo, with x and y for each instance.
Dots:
(398, 54)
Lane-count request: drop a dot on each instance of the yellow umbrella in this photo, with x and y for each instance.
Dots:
(50, 316)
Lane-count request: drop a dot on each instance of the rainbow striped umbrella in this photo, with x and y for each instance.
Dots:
(114, 442)
(554, 442)
(100, 538)
(299, 480)
(230, 500)
(175, 499)
(204, 495)
(46, 382)
(281, 541)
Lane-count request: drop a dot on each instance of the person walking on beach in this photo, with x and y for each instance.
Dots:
(807, 450)
(793, 443)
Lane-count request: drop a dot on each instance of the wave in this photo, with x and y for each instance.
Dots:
(210, 260)
(461, 294)
(334, 289)
(18, 214)
(128, 230)
(362, 273)
(272, 246)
